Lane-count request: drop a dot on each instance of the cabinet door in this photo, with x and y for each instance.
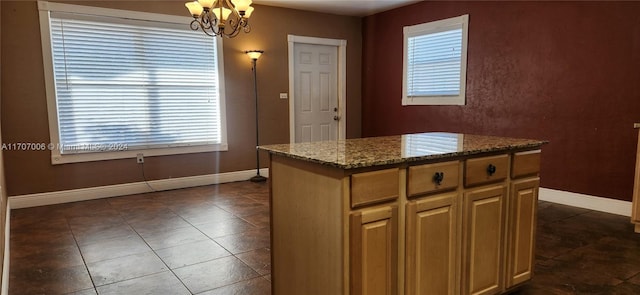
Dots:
(483, 229)
(374, 251)
(431, 240)
(523, 204)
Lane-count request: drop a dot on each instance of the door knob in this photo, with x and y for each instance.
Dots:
(336, 118)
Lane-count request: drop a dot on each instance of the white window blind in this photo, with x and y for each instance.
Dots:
(135, 83)
(435, 62)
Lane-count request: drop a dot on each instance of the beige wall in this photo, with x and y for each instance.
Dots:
(24, 113)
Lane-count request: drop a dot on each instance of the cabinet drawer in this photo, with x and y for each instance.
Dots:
(374, 187)
(525, 163)
(430, 178)
(486, 170)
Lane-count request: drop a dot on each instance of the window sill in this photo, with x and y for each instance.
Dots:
(57, 158)
(434, 100)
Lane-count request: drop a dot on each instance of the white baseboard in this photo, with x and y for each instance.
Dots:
(84, 194)
(585, 201)
(32, 200)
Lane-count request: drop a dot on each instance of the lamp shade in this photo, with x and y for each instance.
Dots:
(248, 13)
(242, 5)
(194, 8)
(225, 13)
(206, 3)
(254, 54)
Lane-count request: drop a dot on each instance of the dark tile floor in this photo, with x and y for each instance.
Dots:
(580, 251)
(215, 240)
(205, 240)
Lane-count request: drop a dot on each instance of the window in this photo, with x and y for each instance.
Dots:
(121, 83)
(435, 62)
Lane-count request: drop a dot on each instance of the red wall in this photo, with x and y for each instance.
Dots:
(567, 72)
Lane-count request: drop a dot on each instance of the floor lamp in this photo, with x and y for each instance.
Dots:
(254, 55)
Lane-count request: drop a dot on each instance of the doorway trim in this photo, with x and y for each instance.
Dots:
(342, 81)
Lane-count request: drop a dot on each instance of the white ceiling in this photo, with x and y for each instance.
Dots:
(341, 7)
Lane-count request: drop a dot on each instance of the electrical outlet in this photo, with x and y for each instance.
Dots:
(140, 158)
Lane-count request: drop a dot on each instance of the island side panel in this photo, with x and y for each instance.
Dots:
(635, 215)
(307, 227)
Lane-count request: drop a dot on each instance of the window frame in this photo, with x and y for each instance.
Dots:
(44, 9)
(430, 28)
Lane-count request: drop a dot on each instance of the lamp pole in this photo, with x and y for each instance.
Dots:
(254, 55)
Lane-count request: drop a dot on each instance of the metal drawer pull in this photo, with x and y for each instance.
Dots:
(491, 169)
(438, 177)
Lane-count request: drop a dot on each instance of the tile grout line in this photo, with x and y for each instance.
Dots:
(154, 251)
(77, 235)
(213, 240)
(571, 216)
(84, 262)
(95, 287)
(208, 237)
(228, 251)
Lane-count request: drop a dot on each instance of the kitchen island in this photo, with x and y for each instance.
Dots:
(635, 204)
(429, 213)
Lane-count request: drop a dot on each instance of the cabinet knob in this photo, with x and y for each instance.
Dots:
(438, 177)
(491, 169)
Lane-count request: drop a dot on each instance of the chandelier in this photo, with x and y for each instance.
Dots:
(224, 18)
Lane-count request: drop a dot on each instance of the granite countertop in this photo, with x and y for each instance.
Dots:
(375, 151)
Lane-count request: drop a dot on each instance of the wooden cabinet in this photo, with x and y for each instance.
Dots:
(521, 217)
(635, 212)
(374, 187)
(308, 224)
(432, 244)
(451, 226)
(523, 204)
(483, 224)
(431, 178)
(374, 251)
(486, 170)
(373, 233)
(483, 240)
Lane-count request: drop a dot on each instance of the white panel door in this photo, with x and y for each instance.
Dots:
(316, 92)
